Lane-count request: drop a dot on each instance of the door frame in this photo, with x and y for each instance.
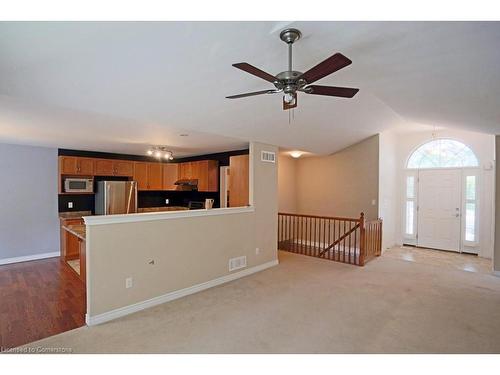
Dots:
(464, 246)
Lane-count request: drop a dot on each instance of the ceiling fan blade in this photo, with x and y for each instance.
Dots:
(255, 71)
(251, 94)
(326, 67)
(343, 92)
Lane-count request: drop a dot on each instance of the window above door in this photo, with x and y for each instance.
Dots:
(442, 153)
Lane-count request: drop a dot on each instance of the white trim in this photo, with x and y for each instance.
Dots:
(153, 216)
(122, 311)
(28, 258)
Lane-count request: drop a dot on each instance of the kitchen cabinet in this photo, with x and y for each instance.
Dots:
(72, 165)
(108, 167)
(70, 245)
(123, 168)
(238, 181)
(205, 171)
(170, 176)
(148, 175)
(104, 167)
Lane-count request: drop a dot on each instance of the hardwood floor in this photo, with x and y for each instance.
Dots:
(38, 299)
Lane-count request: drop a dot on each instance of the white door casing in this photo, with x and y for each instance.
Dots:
(439, 206)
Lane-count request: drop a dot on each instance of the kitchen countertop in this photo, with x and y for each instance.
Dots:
(74, 214)
(160, 209)
(77, 230)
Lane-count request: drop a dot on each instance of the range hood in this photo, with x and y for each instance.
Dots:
(187, 184)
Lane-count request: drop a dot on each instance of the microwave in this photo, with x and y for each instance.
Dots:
(78, 185)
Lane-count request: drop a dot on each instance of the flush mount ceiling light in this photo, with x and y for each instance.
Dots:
(161, 152)
(296, 154)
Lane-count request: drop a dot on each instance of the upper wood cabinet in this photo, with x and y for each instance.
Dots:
(73, 165)
(205, 171)
(238, 181)
(148, 175)
(170, 176)
(109, 167)
(123, 168)
(104, 167)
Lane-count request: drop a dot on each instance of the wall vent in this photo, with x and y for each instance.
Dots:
(237, 263)
(268, 156)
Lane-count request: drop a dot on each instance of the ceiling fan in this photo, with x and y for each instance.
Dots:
(290, 81)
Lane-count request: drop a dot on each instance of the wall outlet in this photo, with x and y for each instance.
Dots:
(257, 251)
(374, 202)
(167, 201)
(128, 282)
(70, 204)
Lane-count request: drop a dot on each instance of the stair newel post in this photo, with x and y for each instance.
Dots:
(362, 239)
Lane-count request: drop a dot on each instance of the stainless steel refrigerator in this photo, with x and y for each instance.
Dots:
(116, 197)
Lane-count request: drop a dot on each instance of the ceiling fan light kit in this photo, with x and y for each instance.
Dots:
(290, 82)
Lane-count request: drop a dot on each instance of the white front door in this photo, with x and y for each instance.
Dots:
(439, 202)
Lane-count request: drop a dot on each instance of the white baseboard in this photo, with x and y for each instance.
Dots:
(122, 311)
(27, 258)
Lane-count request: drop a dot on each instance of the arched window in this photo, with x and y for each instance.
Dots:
(442, 153)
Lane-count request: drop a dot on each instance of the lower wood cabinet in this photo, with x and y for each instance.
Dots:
(238, 181)
(70, 244)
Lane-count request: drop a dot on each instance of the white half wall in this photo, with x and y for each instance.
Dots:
(29, 223)
(171, 254)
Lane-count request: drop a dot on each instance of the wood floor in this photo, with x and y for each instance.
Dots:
(38, 299)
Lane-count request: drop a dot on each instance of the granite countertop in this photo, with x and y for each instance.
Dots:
(161, 209)
(74, 214)
(77, 230)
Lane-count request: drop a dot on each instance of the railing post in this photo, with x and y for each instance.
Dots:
(362, 239)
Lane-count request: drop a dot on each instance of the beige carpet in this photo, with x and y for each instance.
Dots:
(308, 305)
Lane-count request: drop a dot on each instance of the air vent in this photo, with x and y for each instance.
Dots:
(237, 263)
(268, 156)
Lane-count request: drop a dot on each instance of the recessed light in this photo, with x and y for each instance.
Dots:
(296, 154)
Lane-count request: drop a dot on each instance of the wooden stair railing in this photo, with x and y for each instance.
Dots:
(341, 239)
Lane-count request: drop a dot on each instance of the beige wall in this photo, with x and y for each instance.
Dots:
(186, 251)
(496, 253)
(342, 184)
(287, 184)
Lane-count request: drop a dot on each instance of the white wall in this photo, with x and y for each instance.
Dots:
(287, 184)
(483, 146)
(28, 202)
(388, 187)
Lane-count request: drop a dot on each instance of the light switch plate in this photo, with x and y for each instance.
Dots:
(128, 282)
(70, 204)
(167, 201)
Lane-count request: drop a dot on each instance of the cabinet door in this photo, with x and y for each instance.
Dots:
(141, 175)
(68, 164)
(104, 167)
(85, 166)
(238, 181)
(213, 176)
(170, 175)
(186, 171)
(200, 172)
(155, 180)
(123, 168)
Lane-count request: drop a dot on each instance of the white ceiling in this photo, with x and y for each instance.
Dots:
(121, 86)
